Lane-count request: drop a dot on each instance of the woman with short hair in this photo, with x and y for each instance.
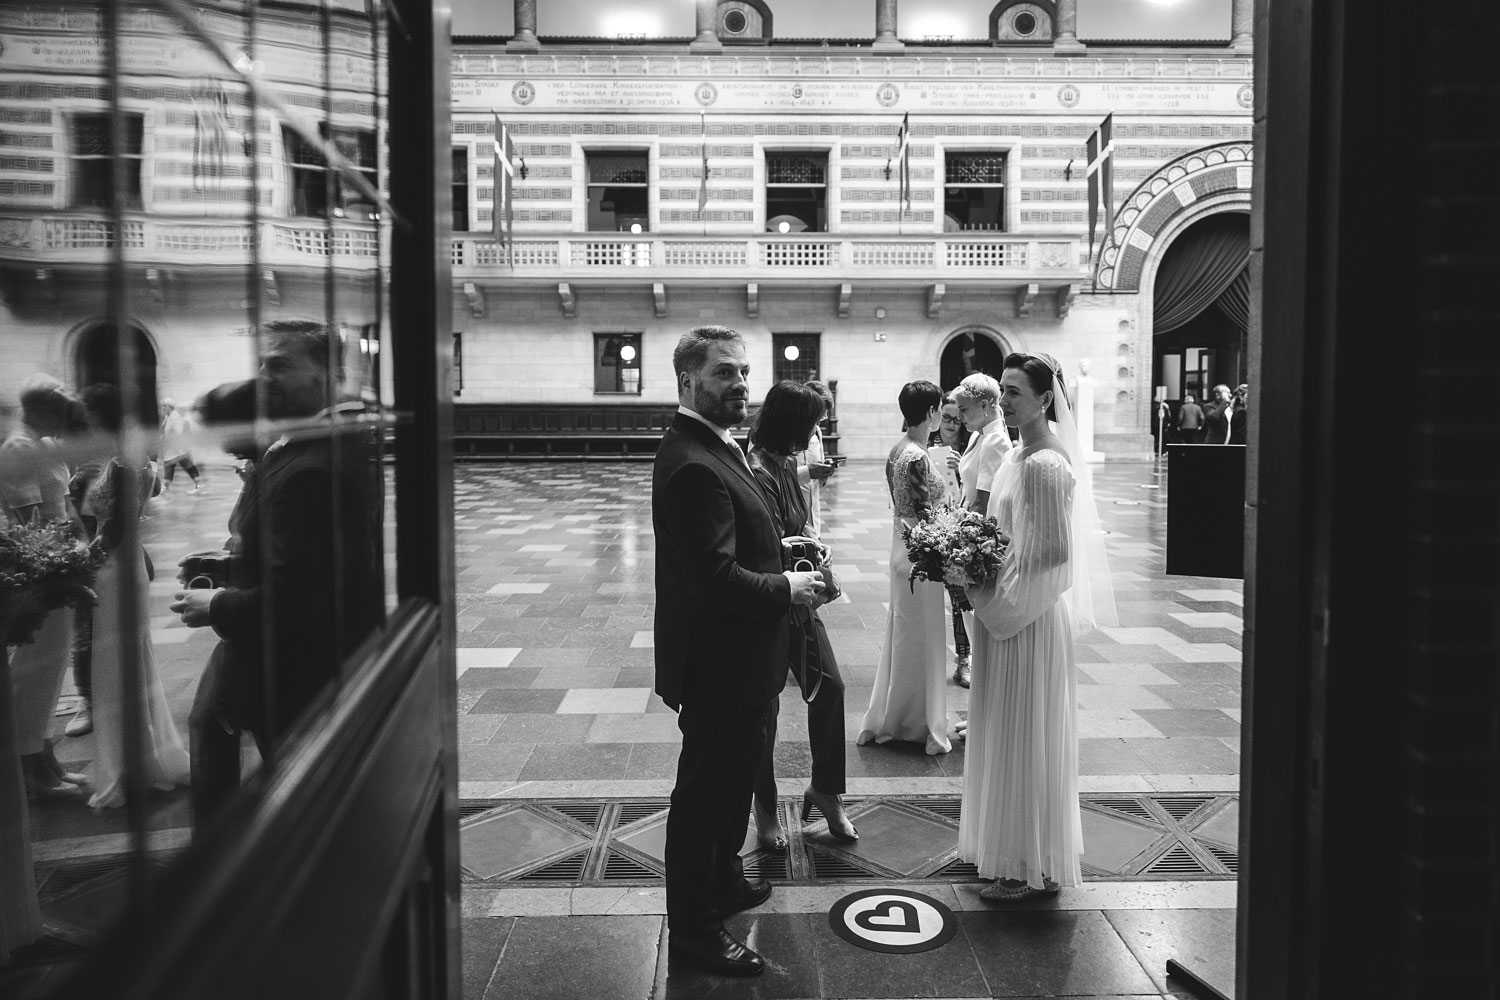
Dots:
(909, 700)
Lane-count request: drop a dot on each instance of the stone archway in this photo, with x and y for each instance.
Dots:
(970, 349)
(1207, 181)
(95, 356)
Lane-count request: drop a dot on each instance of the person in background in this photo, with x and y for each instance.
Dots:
(945, 447)
(1239, 417)
(34, 489)
(84, 474)
(176, 429)
(1216, 417)
(813, 467)
(1190, 419)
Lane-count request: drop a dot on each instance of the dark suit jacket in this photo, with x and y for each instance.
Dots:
(309, 575)
(1215, 423)
(1239, 424)
(721, 598)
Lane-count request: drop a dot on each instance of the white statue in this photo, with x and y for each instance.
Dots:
(1083, 408)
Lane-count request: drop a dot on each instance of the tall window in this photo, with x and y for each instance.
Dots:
(460, 189)
(795, 356)
(618, 191)
(974, 191)
(457, 375)
(309, 184)
(617, 362)
(796, 192)
(93, 150)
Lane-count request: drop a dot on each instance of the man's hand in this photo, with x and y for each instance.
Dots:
(805, 586)
(820, 471)
(193, 605)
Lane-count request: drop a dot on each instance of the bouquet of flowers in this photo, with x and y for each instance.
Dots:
(43, 567)
(957, 547)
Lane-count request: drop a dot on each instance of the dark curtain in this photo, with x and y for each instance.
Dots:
(1198, 266)
(1235, 302)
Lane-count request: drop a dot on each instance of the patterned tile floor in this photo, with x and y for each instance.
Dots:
(554, 616)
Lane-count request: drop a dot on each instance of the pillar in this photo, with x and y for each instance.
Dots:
(707, 39)
(1065, 38)
(885, 25)
(1241, 22)
(524, 38)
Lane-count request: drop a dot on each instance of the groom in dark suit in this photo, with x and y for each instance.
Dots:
(303, 585)
(721, 644)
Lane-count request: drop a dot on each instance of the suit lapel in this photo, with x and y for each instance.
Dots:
(721, 451)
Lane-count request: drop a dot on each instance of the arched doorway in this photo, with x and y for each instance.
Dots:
(970, 351)
(96, 359)
(1200, 311)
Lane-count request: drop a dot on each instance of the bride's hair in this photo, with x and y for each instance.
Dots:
(1044, 374)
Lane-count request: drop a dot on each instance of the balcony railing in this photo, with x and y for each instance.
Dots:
(950, 256)
(59, 239)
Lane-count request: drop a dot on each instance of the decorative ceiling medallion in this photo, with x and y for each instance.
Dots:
(887, 94)
(523, 93)
(706, 94)
(1067, 95)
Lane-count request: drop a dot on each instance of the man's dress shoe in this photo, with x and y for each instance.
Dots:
(715, 951)
(751, 895)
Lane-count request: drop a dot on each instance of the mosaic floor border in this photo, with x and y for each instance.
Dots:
(583, 842)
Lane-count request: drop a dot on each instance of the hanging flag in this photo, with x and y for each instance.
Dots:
(505, 176)
(703, 179)
(903, 161)
(1101, 178)
(210, 136)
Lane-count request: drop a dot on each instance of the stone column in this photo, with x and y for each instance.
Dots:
(524, 38)
(707, 39)
(885, 25)
(1241, 25)
(1065, 38)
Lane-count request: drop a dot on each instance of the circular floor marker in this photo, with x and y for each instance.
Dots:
(894, 921)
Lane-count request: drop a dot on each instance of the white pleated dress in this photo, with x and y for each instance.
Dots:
(1020, 808)
(909, 700)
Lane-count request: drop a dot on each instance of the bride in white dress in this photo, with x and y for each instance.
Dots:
(910, 699)
(164, 758)
(1020, 823)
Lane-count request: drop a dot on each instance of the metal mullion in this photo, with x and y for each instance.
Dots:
(130, 448)
(332, 338)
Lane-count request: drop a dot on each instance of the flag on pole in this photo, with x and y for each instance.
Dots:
(210, 136)
(1101, 178)
(505, 177)
(903, 161)
(703, 179)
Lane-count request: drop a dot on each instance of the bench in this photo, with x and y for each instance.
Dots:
(573, 431)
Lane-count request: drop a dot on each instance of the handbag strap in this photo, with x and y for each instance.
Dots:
(802, 619)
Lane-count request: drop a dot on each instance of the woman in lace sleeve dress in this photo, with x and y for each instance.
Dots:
(909, 700)
(1020, 824)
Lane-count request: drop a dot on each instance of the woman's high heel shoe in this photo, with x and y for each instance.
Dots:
(832, 808)
(768, 830)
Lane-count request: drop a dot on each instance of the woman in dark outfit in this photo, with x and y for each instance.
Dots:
(782, 429)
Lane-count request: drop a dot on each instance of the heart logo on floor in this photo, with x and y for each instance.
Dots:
(895, 921)
(880, 918)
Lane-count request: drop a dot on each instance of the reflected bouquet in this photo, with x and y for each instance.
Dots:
(955, 546)
(43, 567)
